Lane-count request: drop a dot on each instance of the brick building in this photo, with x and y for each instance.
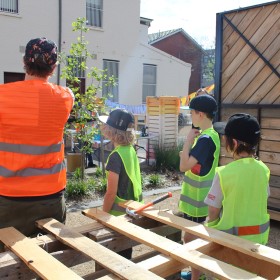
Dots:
(179, 44)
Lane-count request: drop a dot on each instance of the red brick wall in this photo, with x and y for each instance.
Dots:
(185, 49)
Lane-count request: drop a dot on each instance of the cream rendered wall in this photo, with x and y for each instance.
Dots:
(35, 19)
(122, 38)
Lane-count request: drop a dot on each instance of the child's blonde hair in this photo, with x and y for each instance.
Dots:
(117, 136)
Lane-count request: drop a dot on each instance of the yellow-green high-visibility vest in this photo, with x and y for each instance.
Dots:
(244, 185)
(195, 188)
(132, 168)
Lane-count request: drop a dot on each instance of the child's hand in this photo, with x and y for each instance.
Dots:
(192, 135)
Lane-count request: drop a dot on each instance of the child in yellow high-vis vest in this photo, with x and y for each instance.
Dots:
(198, 159)
(238, 197)
(122, 167)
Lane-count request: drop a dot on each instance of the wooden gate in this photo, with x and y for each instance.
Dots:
(247, 78)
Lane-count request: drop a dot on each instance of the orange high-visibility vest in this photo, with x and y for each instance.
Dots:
(32, 118)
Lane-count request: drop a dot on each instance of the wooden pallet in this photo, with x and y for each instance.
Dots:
(216, 253)
(51, 256)
(224, 256)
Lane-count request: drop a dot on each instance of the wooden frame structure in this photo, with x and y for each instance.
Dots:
(247, 80)
(215, 253)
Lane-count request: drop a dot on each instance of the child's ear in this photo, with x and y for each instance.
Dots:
(235, 143)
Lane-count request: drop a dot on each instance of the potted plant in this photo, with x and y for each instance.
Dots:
(87, 100)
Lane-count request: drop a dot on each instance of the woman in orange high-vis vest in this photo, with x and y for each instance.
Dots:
(33, 114)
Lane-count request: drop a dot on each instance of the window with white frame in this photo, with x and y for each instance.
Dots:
(9, 6)
(112, 69)
(94, 13)
(149, 81)
(77, 65)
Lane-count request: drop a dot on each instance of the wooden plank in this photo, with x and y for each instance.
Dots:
(230, 37)
(37, 259)
(275, 193)
(270, 113)
(248, 28)
(271, 123)
(177, 251)
(227, 29)
(274, 203)
(269, 87)
(241, 51)
(274, 181)
(274, 215)
(274, 168)
(242, 245)
(270, 157)
(165, 266)
(270, 134)
(255, 75)
(227, 112)
(269, 146)
(113, 262)
(263, 80)
(12, 268)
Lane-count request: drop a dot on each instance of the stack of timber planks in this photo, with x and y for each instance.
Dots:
(215, 253)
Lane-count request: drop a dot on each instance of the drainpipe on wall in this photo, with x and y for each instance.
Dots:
(59, 36)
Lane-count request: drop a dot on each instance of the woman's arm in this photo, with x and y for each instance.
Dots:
(111, 192)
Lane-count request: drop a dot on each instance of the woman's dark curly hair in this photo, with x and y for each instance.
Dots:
(38, 68)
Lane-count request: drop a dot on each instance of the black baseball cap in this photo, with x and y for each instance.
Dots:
(119, 119)
(242, 127)
(204, 103)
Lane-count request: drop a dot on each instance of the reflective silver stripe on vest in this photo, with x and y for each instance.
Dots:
(30, 149)
(234, 230)
(117, 208)
(196, 184)
(4, 172)
(140, 197)
(197, 204)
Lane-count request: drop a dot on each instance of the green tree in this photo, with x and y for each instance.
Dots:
(87, 103)
(208, 67)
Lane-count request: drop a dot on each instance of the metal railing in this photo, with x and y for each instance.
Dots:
(9, 6)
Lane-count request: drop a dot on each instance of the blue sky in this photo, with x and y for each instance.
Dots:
(196, 17)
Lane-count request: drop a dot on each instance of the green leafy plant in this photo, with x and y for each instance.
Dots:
(168, 158)
(101, 185)
(154, 179)
(77, 174)
(98, 172)
(89, 102)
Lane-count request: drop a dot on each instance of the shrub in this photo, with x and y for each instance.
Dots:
(101, 185)
(154, 179)
(77, 188)
(168, 158)
(98, 172)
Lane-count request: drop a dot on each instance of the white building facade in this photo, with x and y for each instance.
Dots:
(117, 36)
